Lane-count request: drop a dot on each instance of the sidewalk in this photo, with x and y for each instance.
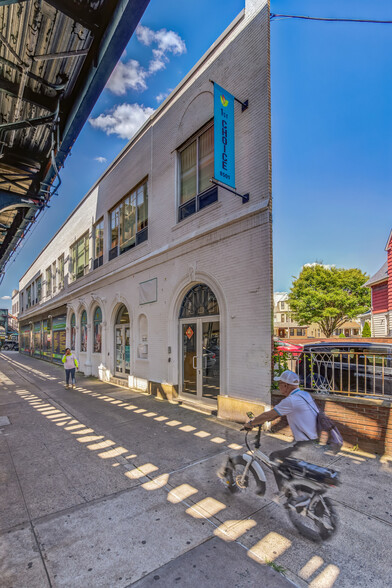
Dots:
(104, 487)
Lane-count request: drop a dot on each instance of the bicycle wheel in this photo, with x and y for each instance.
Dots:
(313, 518)
(250, 483)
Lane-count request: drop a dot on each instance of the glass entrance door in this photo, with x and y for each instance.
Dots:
(211, 359)
(189, 354)
(119, 350)
(200, 358)
(123, 350)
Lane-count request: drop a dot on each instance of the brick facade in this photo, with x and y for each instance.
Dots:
(363, 422)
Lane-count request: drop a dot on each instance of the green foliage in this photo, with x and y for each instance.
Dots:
(328, 296)
(342, 336)
(280, 365)
(275, 566)
(366, 331)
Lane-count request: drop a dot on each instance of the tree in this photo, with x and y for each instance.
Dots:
(366, 331)
(328, 296)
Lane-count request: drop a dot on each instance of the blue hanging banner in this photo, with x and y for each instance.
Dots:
(224, 158)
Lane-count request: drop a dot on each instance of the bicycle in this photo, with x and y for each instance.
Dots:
(303, 488)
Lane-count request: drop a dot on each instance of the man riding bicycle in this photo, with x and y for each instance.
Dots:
(301, 412)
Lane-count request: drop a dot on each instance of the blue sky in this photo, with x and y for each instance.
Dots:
(331, 126)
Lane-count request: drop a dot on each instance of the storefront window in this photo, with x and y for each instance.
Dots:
(59, 335)
(47, 338)
(83, 331)
(73, 332)
(97, 330)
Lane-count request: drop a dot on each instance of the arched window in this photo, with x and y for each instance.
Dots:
(97, 330)
(73, 332)
(200, 301)
(83, 331)
(122, 316)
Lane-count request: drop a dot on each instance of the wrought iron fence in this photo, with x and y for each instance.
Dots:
(352, 373)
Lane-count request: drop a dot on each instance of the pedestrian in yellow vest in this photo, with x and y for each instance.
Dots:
(70, 364)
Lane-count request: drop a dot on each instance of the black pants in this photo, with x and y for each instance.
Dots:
(282, 453)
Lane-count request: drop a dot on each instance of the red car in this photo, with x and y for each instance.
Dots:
(286, 347)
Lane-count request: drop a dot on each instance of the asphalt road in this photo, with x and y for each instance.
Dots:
(105, 487)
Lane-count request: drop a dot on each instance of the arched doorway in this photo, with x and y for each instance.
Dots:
(200, 344)
(122, 336)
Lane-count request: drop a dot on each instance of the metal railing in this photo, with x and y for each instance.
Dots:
(353, 373)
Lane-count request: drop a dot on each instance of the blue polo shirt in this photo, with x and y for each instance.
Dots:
(300, 416)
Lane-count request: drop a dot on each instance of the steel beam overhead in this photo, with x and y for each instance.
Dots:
(49, 83)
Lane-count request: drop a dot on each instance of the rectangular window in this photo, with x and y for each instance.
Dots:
(98, 244)
(60, 266)
(291, 332)
(80, 257)
(196, 161)
(49, 281)
(54, 277)
(38, 289)
(129, 221)
(28, 297)
(114, 232)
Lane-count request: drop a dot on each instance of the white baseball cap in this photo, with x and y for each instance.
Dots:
(288, 377)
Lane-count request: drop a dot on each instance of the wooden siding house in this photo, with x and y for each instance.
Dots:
(381, 288)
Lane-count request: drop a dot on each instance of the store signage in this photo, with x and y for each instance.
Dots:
(189, 333)
(224, 162)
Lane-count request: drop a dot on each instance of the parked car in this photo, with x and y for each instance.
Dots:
(287, 347)
(209, 358)
(355, 368)
(9, 344)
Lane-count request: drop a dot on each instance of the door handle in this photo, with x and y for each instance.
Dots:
(193, 362)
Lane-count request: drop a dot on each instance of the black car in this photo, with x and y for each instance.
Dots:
(355, 368)
(10, 345)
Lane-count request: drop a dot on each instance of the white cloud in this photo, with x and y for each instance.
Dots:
(162, 96)
(101, 159)
(129, 75)
(124, 120)
(319, 263)
(166, 41)
(6, 298)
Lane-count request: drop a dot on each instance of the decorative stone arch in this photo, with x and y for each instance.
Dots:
(179, 294)
(115, 307)
(92, 305)
(196, 114)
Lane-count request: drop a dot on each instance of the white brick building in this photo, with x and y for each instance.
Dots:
(159, 278)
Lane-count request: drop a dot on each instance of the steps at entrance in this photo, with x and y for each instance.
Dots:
(119, 382)
(198, 406)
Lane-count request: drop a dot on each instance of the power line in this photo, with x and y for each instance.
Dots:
(272, 16)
